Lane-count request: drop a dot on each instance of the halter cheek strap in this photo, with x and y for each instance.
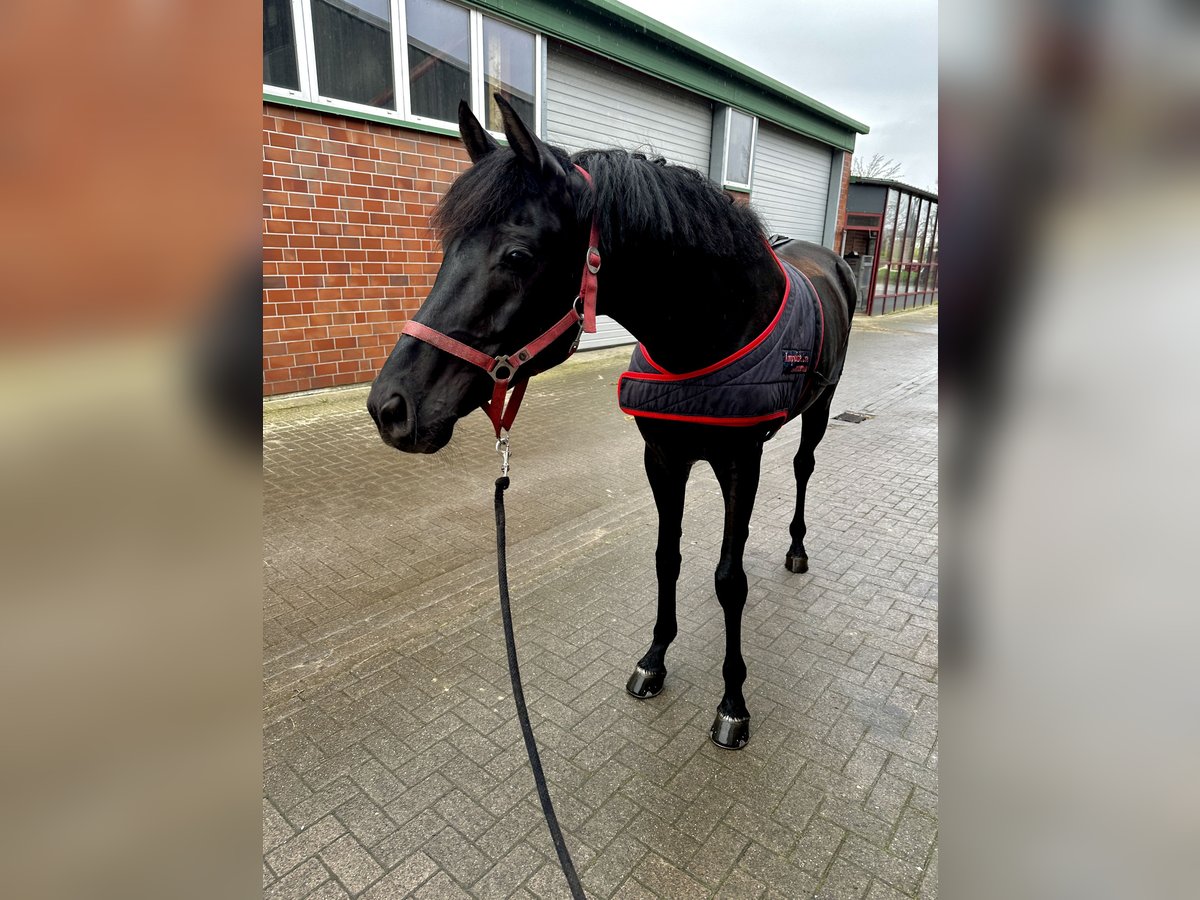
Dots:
(591, 267)
(503, 368)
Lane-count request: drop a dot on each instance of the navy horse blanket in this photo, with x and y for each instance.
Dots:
(768, 380)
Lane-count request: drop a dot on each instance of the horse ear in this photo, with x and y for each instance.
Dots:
(479, 142)
(529, 149)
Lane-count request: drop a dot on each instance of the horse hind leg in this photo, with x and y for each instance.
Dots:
(738, 478)
(668, 476)
(814, 421)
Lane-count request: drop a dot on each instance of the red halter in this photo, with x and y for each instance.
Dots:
(503, 368)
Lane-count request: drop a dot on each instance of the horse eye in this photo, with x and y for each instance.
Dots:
(518, 256)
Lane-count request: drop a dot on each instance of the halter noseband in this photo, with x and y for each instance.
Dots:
(503, 368)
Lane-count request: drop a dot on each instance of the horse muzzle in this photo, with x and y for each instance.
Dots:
(395, 415)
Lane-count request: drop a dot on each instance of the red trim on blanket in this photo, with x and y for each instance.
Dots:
(725, 421)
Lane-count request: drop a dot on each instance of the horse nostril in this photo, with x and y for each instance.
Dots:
(393, 414)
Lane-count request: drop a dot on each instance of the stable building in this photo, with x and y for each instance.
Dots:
(360, 140)
(891, 241)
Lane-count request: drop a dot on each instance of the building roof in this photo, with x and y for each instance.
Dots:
(896, 185)
(615, 31)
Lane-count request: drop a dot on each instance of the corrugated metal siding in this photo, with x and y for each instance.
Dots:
(592, 102)
(790, 184)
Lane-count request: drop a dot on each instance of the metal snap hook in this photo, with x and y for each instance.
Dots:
(503, 448)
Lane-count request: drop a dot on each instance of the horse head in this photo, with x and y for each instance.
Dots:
(513, 238)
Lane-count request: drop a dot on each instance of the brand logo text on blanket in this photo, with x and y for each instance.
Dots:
(795, 362)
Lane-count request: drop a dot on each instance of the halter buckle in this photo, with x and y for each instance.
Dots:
(593, 259)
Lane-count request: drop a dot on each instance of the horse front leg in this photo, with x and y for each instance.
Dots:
(738, 477)
(668, 475)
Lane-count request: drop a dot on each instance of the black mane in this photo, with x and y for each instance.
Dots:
(649, 201)
(637, 199)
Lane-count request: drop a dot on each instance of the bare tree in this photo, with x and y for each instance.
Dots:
(878, 166)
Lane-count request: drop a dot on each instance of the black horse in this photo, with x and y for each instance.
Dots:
(685, 270)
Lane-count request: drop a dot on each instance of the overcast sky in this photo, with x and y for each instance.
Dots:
(875, 61)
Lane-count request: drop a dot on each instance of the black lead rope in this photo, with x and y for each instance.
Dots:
(514, 673)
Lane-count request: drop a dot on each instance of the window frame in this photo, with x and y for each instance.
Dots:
(300, 36)
(726, 182)
(309, 91)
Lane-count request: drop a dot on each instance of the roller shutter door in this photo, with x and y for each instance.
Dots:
(790, 184)
(594, 103)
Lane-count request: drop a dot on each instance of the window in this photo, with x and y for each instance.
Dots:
(353, 43)
(740, 132)
(410, 60)
(509, 60)
(279, 45)
(439, 58)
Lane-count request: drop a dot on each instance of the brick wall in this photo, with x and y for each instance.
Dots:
(347, 251)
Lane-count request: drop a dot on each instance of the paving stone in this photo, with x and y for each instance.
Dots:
(393, 765)
(668, 880)
(457, 855)
(717, 856)
(930, 878)
(330, 890)
(305, 845)
(881, 891)
(366, 821)
(409, 838)
(298, 883)
(377, 782)
(776, 872)
(441, 887)
(352, 865)
(914, 837)
(855, 819)
(741, 886)
(883, 865)
(284, 788)
(403, 879)
(613, 865)
(843, 882)
(633, 889)
(816, 848)
(321, 803)
(276, 830)
(509, 872)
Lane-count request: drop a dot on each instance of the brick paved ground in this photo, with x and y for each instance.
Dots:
(393, 762)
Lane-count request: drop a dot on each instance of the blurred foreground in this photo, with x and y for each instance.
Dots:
(1070, 188)
(129, 490)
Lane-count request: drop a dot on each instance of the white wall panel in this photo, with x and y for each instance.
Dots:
(790, 185)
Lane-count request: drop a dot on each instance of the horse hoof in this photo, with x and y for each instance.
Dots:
(797, 564)
(644, 685)
(730, 733)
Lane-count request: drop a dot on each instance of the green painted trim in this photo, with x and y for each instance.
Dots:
(356, 114)
(617, 32)
(736, 189)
